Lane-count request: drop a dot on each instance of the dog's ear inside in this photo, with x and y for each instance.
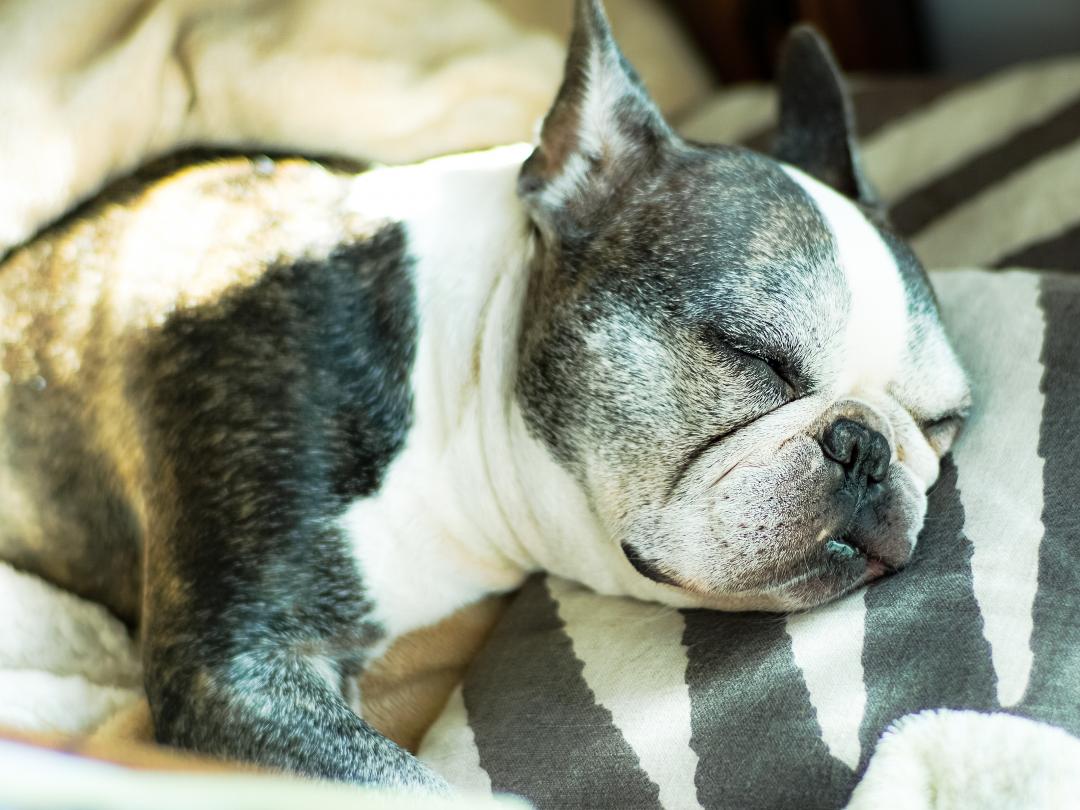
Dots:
(817, 129)
(601, 129)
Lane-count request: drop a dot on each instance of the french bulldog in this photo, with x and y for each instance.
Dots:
(279, 413)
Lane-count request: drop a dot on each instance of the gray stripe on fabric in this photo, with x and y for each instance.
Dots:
(1058, 252)
(634, 663)
(929, 142)
(537, 726)
(1033, 204)
(924, 635)
(754, 729)
(880, 102)
(1054, 689)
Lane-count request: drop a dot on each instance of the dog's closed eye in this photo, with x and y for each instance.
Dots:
(771, 369)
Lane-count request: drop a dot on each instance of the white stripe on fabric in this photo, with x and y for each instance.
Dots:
(646, 668)
(998, 327)
(1030, 206)
(928, 143)
(449, 747)
(827, 645)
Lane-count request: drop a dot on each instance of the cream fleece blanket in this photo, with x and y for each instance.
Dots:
(91, 88)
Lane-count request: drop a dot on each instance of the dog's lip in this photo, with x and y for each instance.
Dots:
(875, 567)
(647, 568)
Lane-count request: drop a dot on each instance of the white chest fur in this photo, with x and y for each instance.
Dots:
(453, 518)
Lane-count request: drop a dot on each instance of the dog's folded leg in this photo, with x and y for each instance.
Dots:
(279, 709)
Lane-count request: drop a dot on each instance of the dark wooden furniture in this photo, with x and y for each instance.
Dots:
(740, 38)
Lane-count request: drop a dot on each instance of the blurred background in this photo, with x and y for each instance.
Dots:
(962, 37)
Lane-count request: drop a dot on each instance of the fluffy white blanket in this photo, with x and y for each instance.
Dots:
(954, 760)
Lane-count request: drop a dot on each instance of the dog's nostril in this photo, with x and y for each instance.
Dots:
(840, 439)
(864, 453)
(879, 457)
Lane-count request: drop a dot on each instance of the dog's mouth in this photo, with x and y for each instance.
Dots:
(842, 547)
(647, 568)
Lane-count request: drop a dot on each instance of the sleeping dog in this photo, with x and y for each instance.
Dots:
(280, 413)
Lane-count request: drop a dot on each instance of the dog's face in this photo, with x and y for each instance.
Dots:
(742, 368)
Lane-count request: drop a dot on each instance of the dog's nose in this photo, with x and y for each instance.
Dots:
(863, 452)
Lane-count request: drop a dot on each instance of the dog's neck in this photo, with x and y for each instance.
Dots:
(474, 503)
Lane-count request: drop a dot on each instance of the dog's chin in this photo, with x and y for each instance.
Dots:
(784, 597)
(812, 562)
(829, 587)
(817, 583)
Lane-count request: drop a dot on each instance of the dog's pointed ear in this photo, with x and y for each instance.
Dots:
(817, 126)
(601, 129)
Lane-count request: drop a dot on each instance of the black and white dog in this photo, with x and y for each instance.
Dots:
(280, 414)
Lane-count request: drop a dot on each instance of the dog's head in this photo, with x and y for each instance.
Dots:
(732, 355)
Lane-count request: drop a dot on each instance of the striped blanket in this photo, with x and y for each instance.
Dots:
(579, 700)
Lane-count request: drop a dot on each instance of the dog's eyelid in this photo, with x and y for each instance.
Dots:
(780, 368)
(740, 346)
